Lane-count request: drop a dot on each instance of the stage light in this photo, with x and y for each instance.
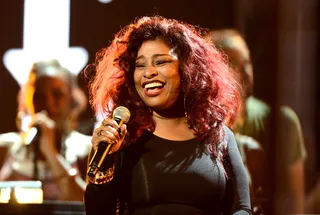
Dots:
(46, 32)
(21, 192)
(105, 1)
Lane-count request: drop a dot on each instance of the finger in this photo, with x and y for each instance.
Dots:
(96, 130)
(107, 141)
(109, 132)
(96, 140)
(123, 130)
(112, 136)
(112, 130)
(108, 136)
(105, 136)
(110, 122)
(35, 120)
(49, 122)
(42, 117)
(44, 112)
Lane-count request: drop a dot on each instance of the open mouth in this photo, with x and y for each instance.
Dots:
(153, 85)
(153, 88)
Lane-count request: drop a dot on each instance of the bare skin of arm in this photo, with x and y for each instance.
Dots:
(71, 186)
(292, 134)
(296, 186)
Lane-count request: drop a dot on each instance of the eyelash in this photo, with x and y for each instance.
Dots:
(160, 62)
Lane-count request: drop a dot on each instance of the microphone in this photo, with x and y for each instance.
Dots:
(33, 132)
(31, 135)
(121, 115)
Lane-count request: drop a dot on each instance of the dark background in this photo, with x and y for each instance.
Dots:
(283, 37)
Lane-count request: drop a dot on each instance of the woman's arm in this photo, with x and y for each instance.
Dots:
(239, 179)
(101, 194)
(9, 142)
(293, 156)
(70, 183)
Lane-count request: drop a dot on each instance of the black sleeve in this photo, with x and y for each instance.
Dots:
(102, 198)
(116, 195)
(239, 180)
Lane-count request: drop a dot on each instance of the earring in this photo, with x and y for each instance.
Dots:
(185, 110)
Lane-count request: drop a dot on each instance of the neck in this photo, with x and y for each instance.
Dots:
(172, 128)
(63, 127)
(168, 115)
(174, 112)
(174, 121)
(171, 123)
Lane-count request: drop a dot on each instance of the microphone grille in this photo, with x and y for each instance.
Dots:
(122, 113)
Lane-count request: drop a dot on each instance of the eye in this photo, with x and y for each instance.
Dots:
(162, 62)
(139, 65)
(58, 94)
(38, 96)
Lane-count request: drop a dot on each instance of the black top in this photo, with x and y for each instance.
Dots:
(159, 176)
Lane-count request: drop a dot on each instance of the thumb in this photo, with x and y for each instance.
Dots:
(123, 130)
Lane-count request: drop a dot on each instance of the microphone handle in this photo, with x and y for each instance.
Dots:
(95, 163)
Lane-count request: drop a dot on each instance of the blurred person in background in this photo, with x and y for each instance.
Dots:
(253, 135)
(49, 104)
(312, 204)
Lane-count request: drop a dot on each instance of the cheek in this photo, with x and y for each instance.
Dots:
(66, 102)
(64, 105)
(70, 103)
(137, 81)
(139, 92)
(136, 77)
(176, 82)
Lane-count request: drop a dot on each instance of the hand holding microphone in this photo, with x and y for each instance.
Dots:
(108, 138)
(42, 130)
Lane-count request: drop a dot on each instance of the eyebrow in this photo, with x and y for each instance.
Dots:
(153, 56)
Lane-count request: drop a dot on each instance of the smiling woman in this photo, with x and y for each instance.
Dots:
(156, 75)
(175, 155)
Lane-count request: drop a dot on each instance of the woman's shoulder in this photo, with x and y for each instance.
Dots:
(9, 138)
(11, 141)
(228, 137)
(227, 132)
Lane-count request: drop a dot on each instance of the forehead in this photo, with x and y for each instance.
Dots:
(152, 47)
(237, 44)
(50, 82)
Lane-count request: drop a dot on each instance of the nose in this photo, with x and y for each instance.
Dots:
(46, 102)
(150, 72)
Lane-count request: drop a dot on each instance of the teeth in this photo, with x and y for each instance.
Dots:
(153, 84)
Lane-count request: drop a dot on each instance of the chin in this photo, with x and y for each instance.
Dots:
(160, 103)
(160, 107)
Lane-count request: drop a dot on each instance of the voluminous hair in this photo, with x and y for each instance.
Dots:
(211, 93)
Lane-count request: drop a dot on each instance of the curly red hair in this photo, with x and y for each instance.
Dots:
(211, 93)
